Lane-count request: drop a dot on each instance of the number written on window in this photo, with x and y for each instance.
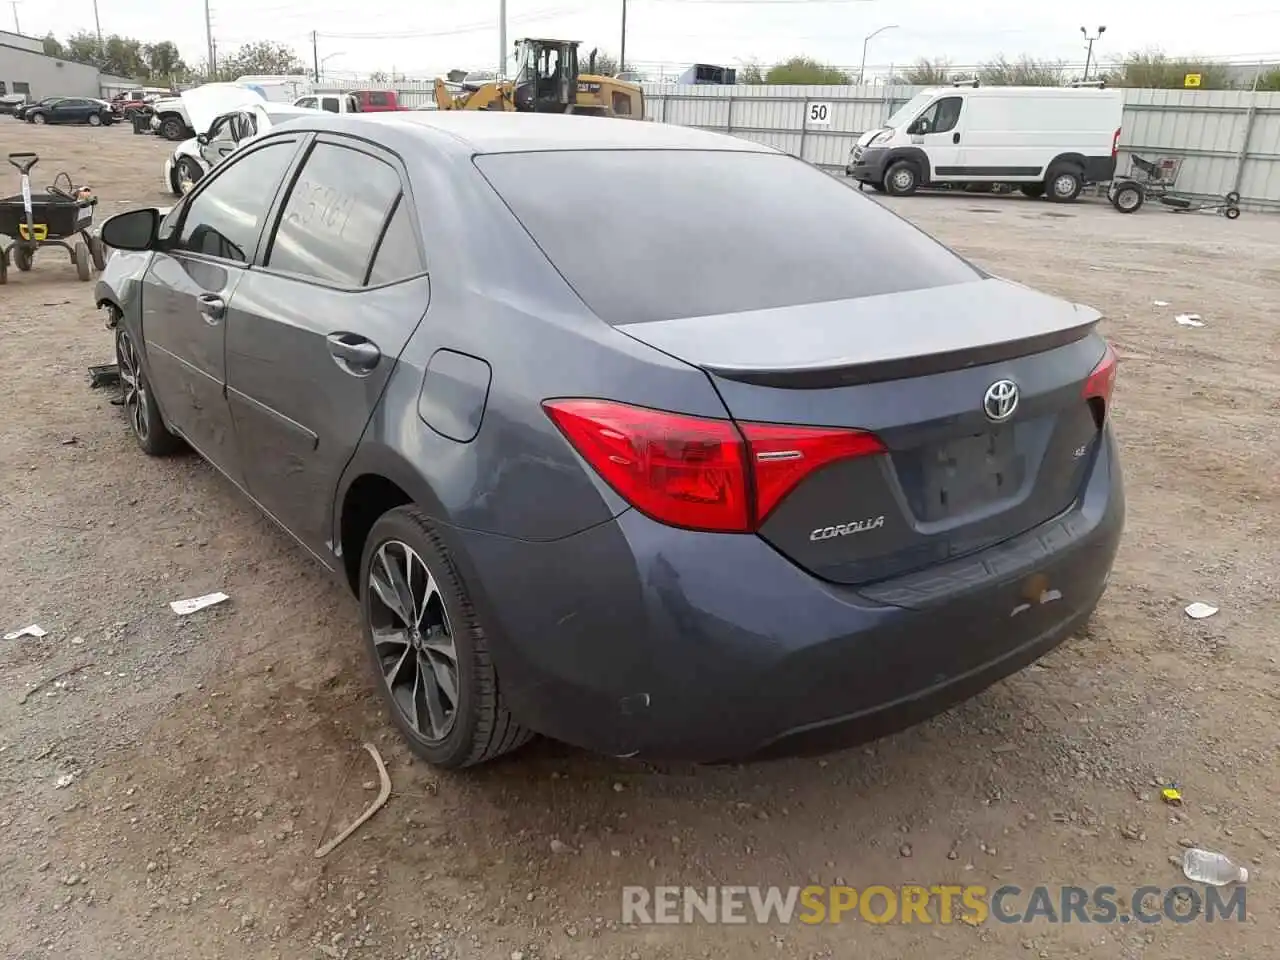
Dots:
(334, 215)
(224, 219)
(819, 114)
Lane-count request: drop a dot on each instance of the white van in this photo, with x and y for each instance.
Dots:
(1044, 140)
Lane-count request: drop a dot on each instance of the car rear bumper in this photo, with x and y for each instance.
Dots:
(636, 638)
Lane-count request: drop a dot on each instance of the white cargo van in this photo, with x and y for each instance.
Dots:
(1045, 140)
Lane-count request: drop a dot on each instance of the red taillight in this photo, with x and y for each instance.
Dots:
(1115, 143)
(700, 473)
(1102, 381)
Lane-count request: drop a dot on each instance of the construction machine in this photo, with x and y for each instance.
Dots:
(548, 81)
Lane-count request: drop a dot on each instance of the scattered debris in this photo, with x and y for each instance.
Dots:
(383, 795)
(184, 607)
(1130, 832)
(1171, 796)
(1198, 610)
(1205, 866)
(64, 781)
(71, 441)
(1160, 303)
(904, 850)
(1188, 320)
(57, 676)
(559, 846)
(34, 630)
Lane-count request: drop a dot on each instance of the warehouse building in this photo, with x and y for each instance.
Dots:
(24, 68)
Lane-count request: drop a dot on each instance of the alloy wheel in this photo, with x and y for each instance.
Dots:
(134, 386)
(413, 640)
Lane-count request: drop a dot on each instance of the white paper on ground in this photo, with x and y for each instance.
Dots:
(35, 630)
(1189, 320)
(184, 607)
(1160, 303)
(1198, 610)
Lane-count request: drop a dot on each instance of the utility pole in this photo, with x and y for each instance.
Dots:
(208, 37)
(315, 57)
(1088, 57)
(97, 24)
(17, 28)
(622, 54)
(502, 39)
(867, 39)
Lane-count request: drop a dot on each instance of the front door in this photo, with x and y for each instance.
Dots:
(313, 334)
(938, 131)
(220, 141)
(69, 111)
(212, 238)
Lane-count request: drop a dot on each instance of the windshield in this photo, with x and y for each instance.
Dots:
(716, 231)
(905, 113)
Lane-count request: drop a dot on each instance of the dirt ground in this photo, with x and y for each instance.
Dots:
(206, 754)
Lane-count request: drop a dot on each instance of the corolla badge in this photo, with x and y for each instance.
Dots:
(844, 529)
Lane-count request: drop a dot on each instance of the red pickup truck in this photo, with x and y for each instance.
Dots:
(377, 101)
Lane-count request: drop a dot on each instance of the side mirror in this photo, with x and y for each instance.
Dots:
(202, 139)
(920, 126)
(132, 230)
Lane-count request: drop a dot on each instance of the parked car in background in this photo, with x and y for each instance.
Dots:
(72, 110)
(378, 101)
(329, 102)
(172, 120)
(817, 486)
(20, 111)
(139, 99)
(10, 103)
(192, 159)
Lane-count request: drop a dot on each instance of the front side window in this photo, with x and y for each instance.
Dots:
(224, 219)
(334, 216)
(942, 117)
(309, 102)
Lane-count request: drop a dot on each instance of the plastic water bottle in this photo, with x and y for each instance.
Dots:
(1204, 866)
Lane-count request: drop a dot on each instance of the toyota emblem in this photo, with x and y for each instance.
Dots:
(1001, 400)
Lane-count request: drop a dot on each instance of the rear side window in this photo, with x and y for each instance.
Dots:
(334, 216)
(397, 257)
(660, 234)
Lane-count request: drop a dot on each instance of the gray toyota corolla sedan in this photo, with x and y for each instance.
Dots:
(652, 440)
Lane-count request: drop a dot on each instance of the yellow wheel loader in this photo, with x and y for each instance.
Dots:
(548, 81)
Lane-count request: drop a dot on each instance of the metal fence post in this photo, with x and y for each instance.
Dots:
(1243, 158)
(804, 125)
(663, 118)
(728, 120)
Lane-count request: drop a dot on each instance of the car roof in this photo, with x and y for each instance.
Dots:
(483, 131)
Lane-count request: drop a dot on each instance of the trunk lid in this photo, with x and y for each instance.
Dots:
(915, 368)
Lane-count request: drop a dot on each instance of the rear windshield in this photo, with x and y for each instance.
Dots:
(661, 234)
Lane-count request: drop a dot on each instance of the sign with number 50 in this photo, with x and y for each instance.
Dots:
(819, 114)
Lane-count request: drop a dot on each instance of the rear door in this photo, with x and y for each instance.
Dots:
(69, 111)
(187, 288)
(314, 334)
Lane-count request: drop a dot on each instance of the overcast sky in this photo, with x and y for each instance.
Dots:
(424, 38)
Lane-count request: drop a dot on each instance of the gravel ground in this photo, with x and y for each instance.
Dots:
(205, 754)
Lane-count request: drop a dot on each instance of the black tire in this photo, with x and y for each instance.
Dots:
(1127, 198)
(1232, 198)
(1231, 213)
(1063, 184)
(480, 726)
(94, 120)
(902, 179)
(4, 267)
(172, 128)
(98, 252)
(38, 118)
(139, 404)
(23, 257)
(1033, 190)
(80, 257)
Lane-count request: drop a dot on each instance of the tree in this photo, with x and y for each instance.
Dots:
(926, 72)
(164, 62)
(1270, 80)
(83, 47)
(750, 72)
(122, 57)
(52, 48)
(1153, 70)
(805, 70)
(264, 58)
(1026, 72)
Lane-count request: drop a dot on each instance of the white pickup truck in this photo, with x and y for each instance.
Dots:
(330, 102)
